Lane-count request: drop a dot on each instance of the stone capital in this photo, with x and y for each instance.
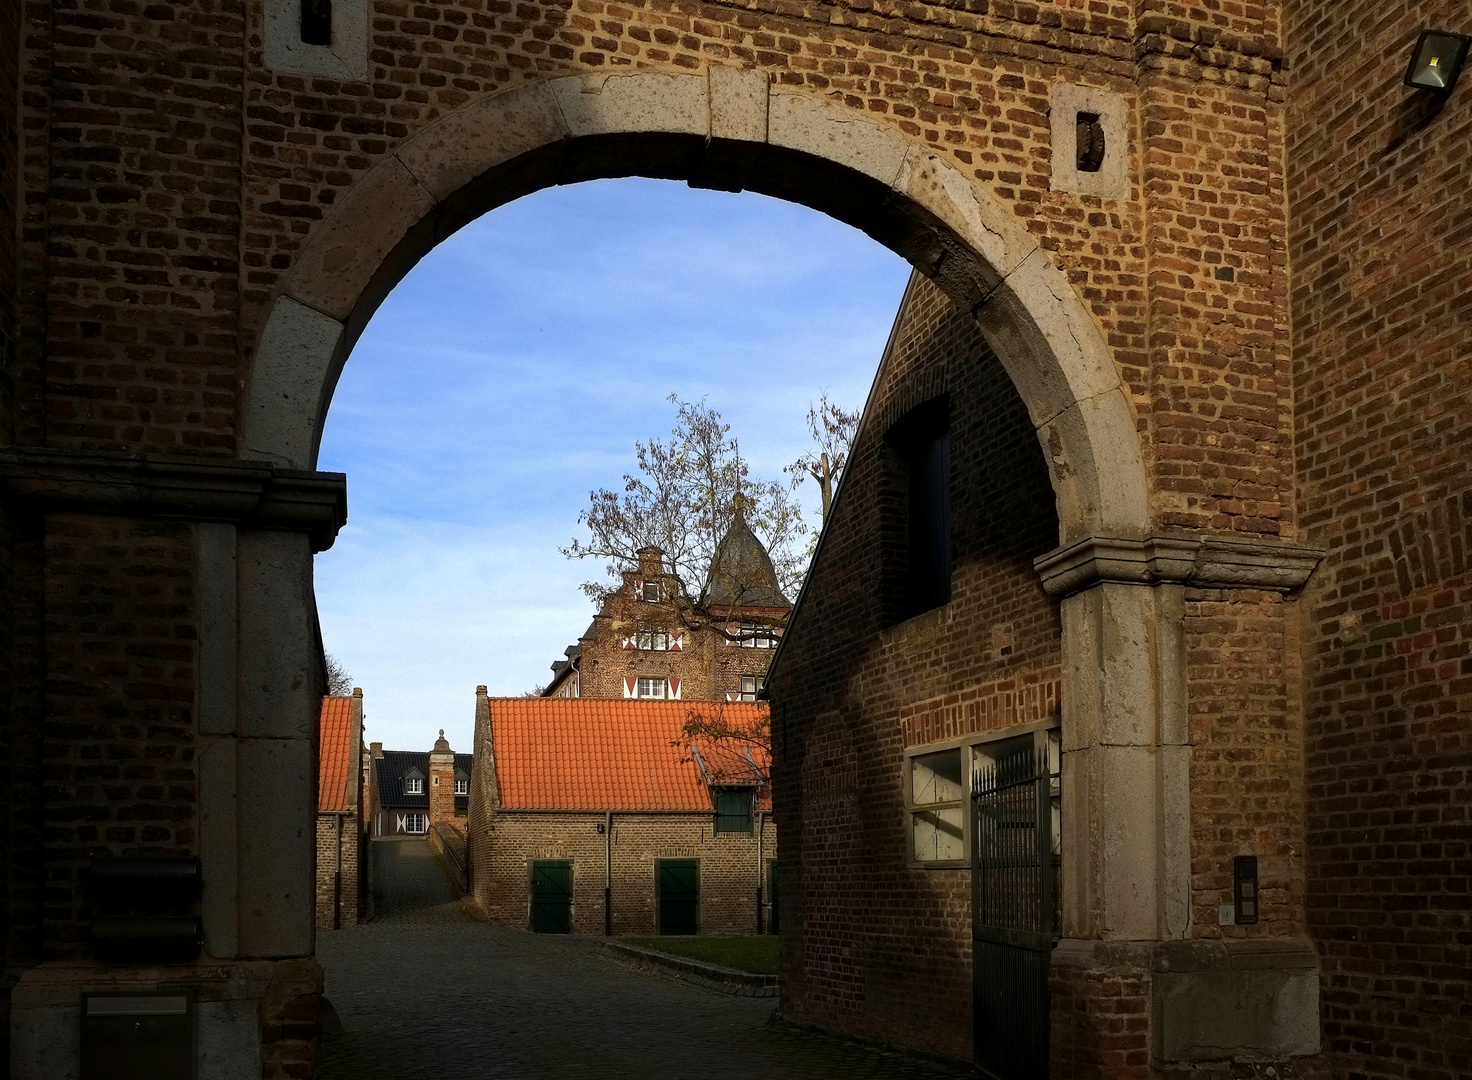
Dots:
(251, 494)
(1207, 562)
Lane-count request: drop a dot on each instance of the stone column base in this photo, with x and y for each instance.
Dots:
(1137, 1010)
(255, 1019)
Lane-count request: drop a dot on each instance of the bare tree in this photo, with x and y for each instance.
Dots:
(682, 499)
(339, 682)
(833, 430)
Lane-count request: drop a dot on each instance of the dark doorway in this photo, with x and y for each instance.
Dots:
(679, 896)
(552, 897)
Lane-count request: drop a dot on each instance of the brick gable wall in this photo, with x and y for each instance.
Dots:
(882, 948)
(1382, 311)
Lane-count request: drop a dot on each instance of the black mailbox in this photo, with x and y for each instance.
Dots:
(138, 1036)
(144, 909)
(149, 882)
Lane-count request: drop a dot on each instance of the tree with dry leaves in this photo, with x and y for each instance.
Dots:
(682, 498)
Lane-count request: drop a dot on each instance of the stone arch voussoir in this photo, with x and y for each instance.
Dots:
(731, 129)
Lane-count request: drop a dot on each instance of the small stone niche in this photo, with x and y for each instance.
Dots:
(318, 37)
(1091, 151)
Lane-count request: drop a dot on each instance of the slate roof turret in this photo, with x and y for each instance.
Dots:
(742, 574)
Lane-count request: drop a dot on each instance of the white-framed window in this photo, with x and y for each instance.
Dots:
(414, 824)
(751, 685)
(937, 810)
(756, 636)
(462, 786)
(650, 637)
(651, 591)
(413, 785)
(652, 687)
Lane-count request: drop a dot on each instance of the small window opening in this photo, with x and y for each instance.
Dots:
(922, 441)
(316, 22)
(1090, 147)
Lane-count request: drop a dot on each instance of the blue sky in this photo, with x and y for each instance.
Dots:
(511, 372)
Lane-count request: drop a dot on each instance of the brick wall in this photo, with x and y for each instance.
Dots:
(337, 838)
(882, 948)
(506, 844)
(119, 753)
(1382, 314)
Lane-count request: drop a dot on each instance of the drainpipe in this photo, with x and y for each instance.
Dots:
(337, 879)
(608, 873)
(760, 828)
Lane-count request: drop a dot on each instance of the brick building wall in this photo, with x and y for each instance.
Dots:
(1381, 243)
(339, 903)
(504, 848)
(883, 946)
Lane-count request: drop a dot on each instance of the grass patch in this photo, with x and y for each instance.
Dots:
(756, 953)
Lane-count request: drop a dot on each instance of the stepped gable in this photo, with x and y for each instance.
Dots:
(742, 574)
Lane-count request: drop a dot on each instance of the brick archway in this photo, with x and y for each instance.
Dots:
(727, 129)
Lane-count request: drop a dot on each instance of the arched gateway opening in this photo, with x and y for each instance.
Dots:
(1126, 850)
(732, 130)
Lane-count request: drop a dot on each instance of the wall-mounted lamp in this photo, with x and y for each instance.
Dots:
(1437, 61)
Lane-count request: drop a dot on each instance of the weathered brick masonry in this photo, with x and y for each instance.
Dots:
(1382, 313)
(182, 193)
(882, 946)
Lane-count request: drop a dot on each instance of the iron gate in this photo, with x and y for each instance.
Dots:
(1014, 899)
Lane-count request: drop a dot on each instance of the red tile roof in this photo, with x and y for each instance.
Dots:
(590, 754)
(338, 744)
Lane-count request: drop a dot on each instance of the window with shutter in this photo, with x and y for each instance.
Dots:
(630, 686)
(675, 689)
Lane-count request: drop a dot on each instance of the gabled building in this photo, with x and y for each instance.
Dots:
(413, 790)
(586, 817)
(652, 640)
(339, 891)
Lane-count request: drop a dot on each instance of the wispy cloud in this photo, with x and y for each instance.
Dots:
(511, 372)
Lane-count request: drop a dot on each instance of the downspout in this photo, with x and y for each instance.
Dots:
(337, 879)
(760, 829)
(608, 873)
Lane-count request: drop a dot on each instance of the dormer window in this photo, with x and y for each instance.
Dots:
(733, 810)
(462, 786)
(413, 782)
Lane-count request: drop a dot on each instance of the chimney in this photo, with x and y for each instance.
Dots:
(651, 562)
(376, 749)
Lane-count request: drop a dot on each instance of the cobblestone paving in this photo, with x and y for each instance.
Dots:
(426, 993)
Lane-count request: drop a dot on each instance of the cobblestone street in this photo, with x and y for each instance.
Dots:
(424, 991)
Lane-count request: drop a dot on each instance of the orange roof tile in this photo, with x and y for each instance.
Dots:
(591, 754)
(338, 744)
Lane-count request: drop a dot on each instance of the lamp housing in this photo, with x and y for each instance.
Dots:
(1437, 61)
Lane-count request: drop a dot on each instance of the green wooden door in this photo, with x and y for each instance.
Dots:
(679, 896)
(552, 897)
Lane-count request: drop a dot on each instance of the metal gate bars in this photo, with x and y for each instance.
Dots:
(1014, 788)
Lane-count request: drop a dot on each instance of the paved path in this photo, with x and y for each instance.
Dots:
(425, 993)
